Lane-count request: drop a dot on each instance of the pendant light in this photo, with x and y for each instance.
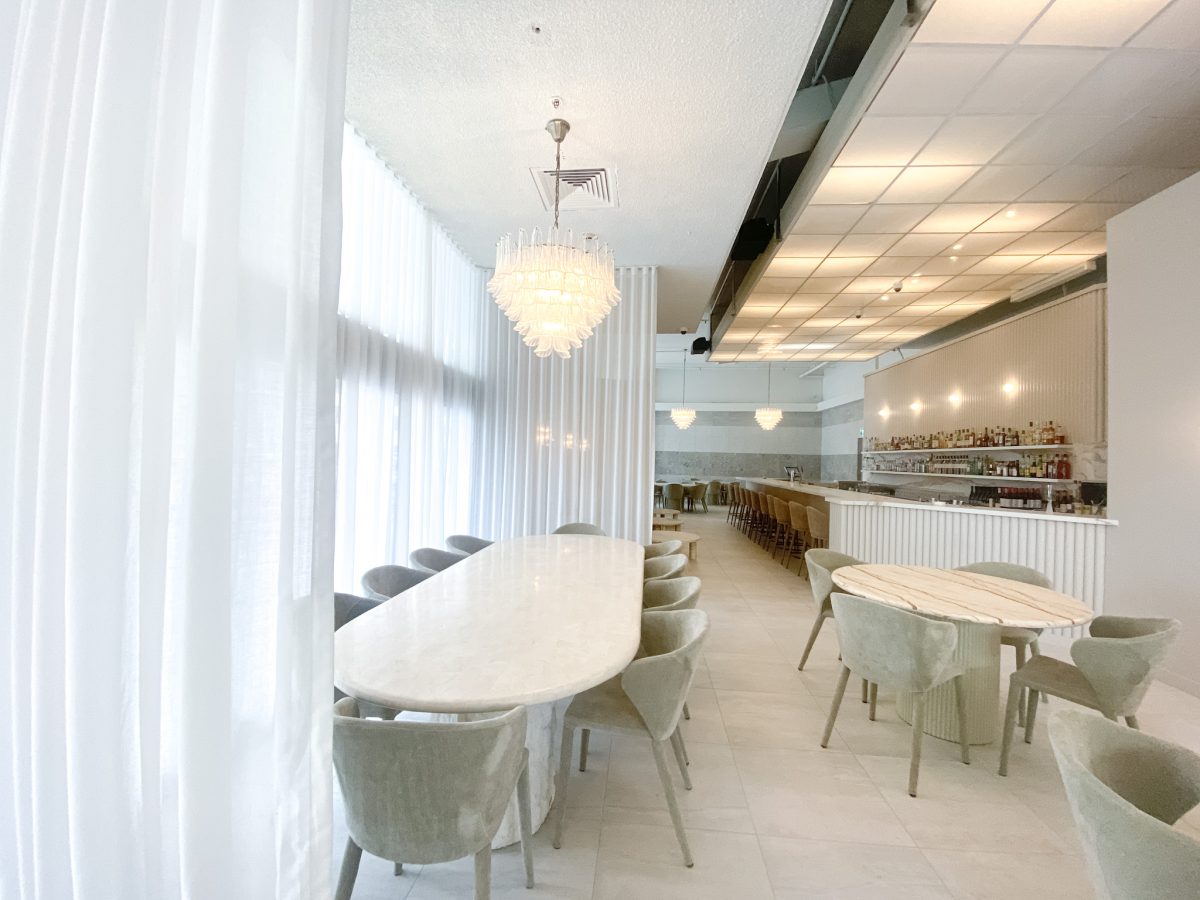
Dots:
(554, 291)
(768, 416)
(683, 416)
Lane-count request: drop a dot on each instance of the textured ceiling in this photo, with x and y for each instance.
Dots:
(998, 147)
(682, 99)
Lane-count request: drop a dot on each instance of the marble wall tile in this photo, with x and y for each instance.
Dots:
(839, 415)
(670, 465)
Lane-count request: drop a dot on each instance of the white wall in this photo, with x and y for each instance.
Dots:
(1154, 416)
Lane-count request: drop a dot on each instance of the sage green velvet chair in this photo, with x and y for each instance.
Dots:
(1126, 791)
(434, 560)
(426, 792)
(668, 594)
(581, 528)
(347, 608)
(466, 543)
(645, 700)
(385, 582)
(664, 567)
(886, 645)
(673, 496)
(664, 548)
(1114, 667)
(821, 566)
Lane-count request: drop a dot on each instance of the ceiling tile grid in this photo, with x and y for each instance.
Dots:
(998, 147)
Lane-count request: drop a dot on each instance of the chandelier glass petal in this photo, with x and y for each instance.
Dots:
(768, 417)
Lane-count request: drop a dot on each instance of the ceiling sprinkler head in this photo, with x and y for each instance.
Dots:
(898, 286)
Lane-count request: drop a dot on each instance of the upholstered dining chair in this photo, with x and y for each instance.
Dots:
(821, 566)
(798, 513)
(669, 594)
(886, 645)
(430, 792)
(1024, 641)
(1126, 791)
(385, 582)
(465, 543)
(663, 548)
(435, 560)
(1114, 667)
(347, 608)
(698, 494)
(581, 528)
(664, 567)
(818, 527)
(645, 700)
(673, 495)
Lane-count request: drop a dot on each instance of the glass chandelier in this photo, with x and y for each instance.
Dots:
(683, 416)
(554, 291)
(768, 416)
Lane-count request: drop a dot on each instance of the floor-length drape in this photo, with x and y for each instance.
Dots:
(408, 374)
(168, 276)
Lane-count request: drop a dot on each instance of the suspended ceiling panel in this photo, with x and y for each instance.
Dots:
(1002, 141)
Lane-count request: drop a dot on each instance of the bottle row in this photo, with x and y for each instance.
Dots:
(1035, 434)
(1023, 498)
(1027, 465)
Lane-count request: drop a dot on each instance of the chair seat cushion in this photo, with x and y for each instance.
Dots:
(1053, 676)
(1013, 636)
(606, 707)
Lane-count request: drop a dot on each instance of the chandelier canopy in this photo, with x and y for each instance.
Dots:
(554, 290)
(768, 416)
(683, 415)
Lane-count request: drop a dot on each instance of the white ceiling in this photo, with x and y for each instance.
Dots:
(1005, 137)
(683, 100)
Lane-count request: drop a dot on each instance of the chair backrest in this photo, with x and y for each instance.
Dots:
(436, 560)
(465, 543)
(755, 501)
(1011, 571)
(696, 491)
(664, 594)
(1121, 658)
(426, 792)
(385, 582)
(658, 682)
(581, 528)
(673, 491)
(664, 566)
(798, 514)
(348, 607)
(892, 646)
(783, 515)
(821, 566)
(818, 524)
(1126, 790)
(663, 548)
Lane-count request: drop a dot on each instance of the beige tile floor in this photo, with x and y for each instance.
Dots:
(774, 815)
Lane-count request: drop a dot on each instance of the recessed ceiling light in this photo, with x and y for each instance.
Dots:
(957, 247)
(953, 259)
(918, 275)
(1009, 213)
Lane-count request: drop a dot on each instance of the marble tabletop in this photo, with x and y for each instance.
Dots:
(963, 596)
(524, 621)
(659, 537)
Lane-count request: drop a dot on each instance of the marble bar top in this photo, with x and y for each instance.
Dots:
(963, 596)
(862, 498)
(524, 621)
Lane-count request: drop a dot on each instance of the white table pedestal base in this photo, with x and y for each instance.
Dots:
(979, 649)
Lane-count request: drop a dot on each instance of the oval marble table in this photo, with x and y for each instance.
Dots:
(978, 605)
(529, 621)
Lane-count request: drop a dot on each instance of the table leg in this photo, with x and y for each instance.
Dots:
(979, 649)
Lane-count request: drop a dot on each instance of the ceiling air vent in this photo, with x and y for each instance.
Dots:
(581, 188)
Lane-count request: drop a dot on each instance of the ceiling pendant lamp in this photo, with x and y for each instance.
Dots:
(768, 416)
(683, 416)
(554, 291)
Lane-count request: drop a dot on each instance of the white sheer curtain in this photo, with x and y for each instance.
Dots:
(570, 440)
(408, 374)
(168, 208)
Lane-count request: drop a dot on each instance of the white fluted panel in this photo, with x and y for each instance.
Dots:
(1069, 552)
(1055, 356)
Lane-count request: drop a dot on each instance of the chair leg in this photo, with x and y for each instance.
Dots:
(681, 761)
(874, 694)
(483, 873)
(812, 639)
(960, 698)
(838, 693)
(687, 759)
(349, 872)
(1036, 650)
(866, 691)
(560, 784)
(664, 775)
(687, 713)
(585, 735)
(524, 805)
(1132, 722)
(1010, 723)
(398, 869)
(1020, 651)
(918, 728)
(1030, 715)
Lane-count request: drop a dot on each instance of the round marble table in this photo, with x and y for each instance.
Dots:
(689, 538)
(978, 605)
(529, 621)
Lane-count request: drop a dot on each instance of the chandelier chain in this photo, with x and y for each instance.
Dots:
(557, 177)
